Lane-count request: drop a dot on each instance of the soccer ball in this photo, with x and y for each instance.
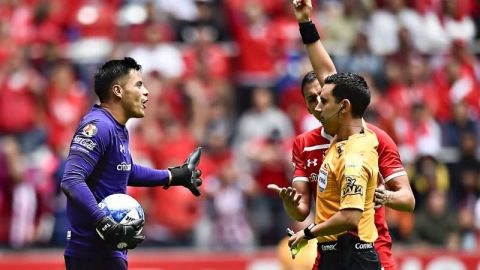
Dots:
(122, 208)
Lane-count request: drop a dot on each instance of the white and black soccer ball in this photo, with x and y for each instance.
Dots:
(122, 208)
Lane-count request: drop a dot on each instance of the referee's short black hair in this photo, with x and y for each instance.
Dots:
(353, 87)
(308, 78)
(110, 72)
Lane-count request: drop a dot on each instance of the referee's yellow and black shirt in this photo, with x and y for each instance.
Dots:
(347, 179)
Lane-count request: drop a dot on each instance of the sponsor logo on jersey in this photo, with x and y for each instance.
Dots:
(87, 143)
(89, 130)
(352, 188)
(313, 177)
(329, 247)
(361, 246)
(311, 162)
(122, 148)
(124, 166)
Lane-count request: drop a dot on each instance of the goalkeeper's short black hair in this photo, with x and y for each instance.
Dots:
(110, 72)
(353, 87)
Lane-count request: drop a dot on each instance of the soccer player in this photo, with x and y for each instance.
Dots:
(308, 152)
(99, 164)
(344, 220)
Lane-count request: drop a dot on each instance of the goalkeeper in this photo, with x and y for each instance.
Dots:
(99, 164)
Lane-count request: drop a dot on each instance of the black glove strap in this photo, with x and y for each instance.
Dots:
(309, 32)
(104, 225)
(181, 176)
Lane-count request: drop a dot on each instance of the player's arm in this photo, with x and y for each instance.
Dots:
(395, 192)
(296, 199)
(301, 212)
(85, 152)
(187, 175)
(321, 62)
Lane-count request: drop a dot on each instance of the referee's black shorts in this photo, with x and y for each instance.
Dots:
(348, 253)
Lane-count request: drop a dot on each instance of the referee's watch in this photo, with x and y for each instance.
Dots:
(308, 233)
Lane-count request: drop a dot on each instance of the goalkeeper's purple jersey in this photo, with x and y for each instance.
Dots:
(100, 159)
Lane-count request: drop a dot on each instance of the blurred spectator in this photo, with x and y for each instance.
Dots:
(7, 46)
(340, 23)
(461, 123)
(21, 90)
(216, 138)
(179, 9)
(465, 172)
(158, 56)
(360, 59)
(10, 174)
(418, 135)
(271, 164)
(455, 82)
(32, 203)
(66, 102)
(24, 199)
(228, 192)
(205, 58)
(256, 125)
(435, 225)
(428, 174)
(385, 23)
(466, 189)
(255, 63)
(94, 18)
(457, 22)
(173, 214)
(208, 18)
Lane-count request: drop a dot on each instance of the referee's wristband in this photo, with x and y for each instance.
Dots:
(308, 232)
(309, 32)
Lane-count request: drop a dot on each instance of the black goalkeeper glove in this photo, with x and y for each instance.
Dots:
(120, 236)
(187, 175)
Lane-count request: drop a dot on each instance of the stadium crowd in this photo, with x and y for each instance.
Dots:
(225, 75)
